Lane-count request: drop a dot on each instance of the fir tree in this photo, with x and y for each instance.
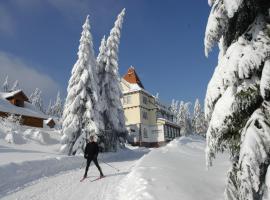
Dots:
(79, 111)
(199, 124)
(49, 108)
(183, 118)
(5, 86)
(15, 86)
(235, 104)
(174, 109)
(36, 99)
(110, 91)
(57, 108)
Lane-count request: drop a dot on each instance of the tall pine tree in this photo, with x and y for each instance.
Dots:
(36, 99)
(237, 103)
(5, 86)
(110, 91)
(199, 124)
(79, 111)
(57, 108)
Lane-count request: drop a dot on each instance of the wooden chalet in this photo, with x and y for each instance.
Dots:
(17, 103)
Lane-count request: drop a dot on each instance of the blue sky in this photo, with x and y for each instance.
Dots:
(163, 40)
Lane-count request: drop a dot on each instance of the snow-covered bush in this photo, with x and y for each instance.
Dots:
(237, 98)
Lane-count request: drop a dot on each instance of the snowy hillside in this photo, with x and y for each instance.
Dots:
(176, 171)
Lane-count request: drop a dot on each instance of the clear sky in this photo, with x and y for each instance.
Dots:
(163, 40)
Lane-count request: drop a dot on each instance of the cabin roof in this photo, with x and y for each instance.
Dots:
(28, 109)
(16, 94)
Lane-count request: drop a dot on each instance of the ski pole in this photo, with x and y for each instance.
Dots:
(82, 165)
(110, 165)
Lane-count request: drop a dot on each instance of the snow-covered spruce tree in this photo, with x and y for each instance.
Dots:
(79, 115)
(110, 91)
(36, 99)
(183, 118)
(15, 86)
(174, 106)
(199, 124)
(49, 108)
(5, 86)
(57, 108)
(234, 104)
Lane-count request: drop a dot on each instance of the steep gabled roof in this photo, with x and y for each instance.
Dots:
(16, 94)
(132, 77)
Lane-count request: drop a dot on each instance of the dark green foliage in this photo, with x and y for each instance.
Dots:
(243, 18)
(233, 182)
(246, 102)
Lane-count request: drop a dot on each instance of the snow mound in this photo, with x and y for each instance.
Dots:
(39, 136)
(176, 171)
(15, 176)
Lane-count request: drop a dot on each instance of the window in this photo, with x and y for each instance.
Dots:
(145, 116)
(145, 100)
(145, 135)
(165, 131)
(127, 100)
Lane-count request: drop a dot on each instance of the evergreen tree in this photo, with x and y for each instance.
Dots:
(174, 109)
(15, 86)
(5, 86)
(49, 108)
(79, 111)
(57, 108)
(236, 105)
(110, 91)
(183, 118)
(199, 125)
(36, 99)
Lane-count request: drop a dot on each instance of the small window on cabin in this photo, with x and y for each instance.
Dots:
(145, 100)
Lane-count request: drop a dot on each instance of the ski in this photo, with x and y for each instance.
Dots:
(98, 178)
(84, 178)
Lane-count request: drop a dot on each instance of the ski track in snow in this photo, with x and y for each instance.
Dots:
(176, 171)
(68, 186)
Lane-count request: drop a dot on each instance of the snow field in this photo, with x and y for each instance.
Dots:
(176, 171)
(67, 185)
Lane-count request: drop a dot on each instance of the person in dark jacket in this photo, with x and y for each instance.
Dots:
(91, 153)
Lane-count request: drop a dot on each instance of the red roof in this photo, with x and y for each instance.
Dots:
(132, 77)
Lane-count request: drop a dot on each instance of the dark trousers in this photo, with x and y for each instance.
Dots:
(94, 158)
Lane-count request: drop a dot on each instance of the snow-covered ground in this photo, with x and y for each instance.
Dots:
(176, 171)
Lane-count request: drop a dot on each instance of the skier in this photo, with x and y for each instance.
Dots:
(91, 153)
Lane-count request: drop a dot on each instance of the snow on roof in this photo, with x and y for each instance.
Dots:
(48, 120)
(133, 87)
(28, 109)
(10, 94)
